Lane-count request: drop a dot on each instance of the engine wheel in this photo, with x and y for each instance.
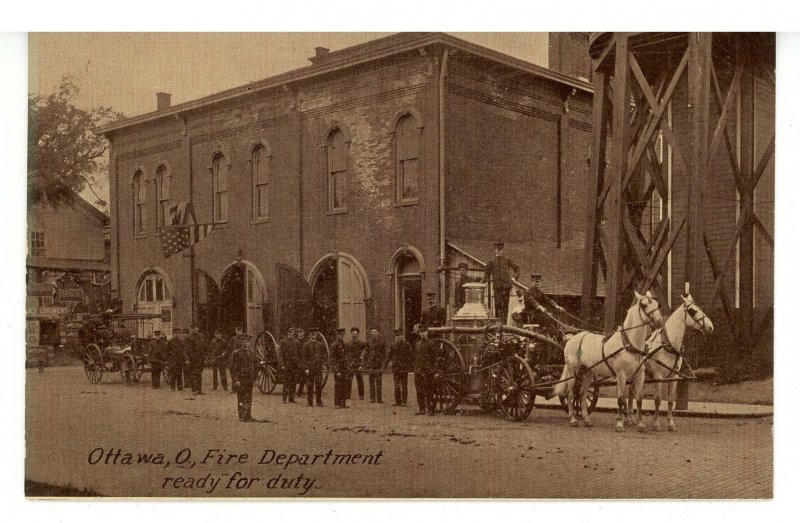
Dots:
(514, 384)
(127, 369)
(449, 378)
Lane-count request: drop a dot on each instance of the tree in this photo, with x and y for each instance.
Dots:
(64, 154)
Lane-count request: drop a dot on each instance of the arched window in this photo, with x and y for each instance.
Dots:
(139, 203)
(260, 164)
(163, 180)
(154, 297)
(219, 173)
(337, 171)
(407, 159)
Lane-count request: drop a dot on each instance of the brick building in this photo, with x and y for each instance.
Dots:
(345, 184)
(68, 269)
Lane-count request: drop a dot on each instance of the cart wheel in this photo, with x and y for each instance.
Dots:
(515, 388)
(127, 369)
(266, 349)
(591, 399)
(137, 371)
(326, 365)
(450, 378)
(93, 364)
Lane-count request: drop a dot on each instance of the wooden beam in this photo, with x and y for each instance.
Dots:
(620, 142)
(699, 76)
(765, 158)
(662, 254)
(763, 230)
(747, 155)
(726, 306)
(730, 255)
(732, 157)
(597, 167)
(723, 117)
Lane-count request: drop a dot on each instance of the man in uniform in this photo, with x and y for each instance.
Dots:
(312, 356)
(354, 350)
(300, 378)
(218, 352)
(434, 315)
(400, 356)
(372, 359)
(289, 354)
(461, 295)
(239, 339)
(341, 370)
(535, 307)
(176, 357)
(197, 358)
(243, 374)
(424, 367)
(499, 272)
(155, 356)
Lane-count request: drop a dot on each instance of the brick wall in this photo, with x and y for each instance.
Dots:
(568, 53)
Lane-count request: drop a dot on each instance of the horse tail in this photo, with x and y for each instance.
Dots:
(560, 389)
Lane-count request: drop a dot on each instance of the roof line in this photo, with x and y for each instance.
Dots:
(349, 57)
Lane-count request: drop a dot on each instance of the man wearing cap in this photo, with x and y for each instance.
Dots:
(424, 367)
(372, 359)
(499, 271)
(300, 377)
(535, 306)
(197, 358)
(155, 356)
(239, 339)
(243, 374)
(176, 357)
(341, 369)
(218, 352)
(434, 315)
(289, 355)
(400, 356)
(312, 357)
(461, 294)
(355, 347)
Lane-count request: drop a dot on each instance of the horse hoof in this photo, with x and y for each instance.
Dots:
(642, 428)
(672, 427)
(656, 428)
(587, 422)
(620, 427)
(573, 423)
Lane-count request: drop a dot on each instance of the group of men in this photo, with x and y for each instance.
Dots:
(187, 354)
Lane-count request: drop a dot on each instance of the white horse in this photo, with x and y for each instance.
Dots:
(665, 352)
(619, 356)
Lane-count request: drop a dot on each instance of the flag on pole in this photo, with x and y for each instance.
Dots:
(184, 231)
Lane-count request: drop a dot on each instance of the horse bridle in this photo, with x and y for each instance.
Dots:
(692, 311)
(650, 321)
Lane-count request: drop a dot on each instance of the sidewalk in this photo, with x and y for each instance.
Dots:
(697, 409)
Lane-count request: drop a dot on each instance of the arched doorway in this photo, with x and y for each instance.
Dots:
(208, 302)
(154, 296)
(408, 271)
(340, 288)
(242, 294)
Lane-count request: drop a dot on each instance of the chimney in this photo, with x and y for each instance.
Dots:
(319, 54)
(162, 101)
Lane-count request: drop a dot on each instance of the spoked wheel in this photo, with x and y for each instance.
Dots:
(450, 377)
(266, 349)
(127, 369)
(326, 365)
(166, 374)
(514, 383)
(137, 372)
(93, 363)
(591, 399)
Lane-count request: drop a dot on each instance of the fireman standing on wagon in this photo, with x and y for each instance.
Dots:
(536, 303)
(499, 271)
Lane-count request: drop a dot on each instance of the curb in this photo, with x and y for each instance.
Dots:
(680, 413)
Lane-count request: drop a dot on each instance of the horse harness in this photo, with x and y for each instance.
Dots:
(626, 342)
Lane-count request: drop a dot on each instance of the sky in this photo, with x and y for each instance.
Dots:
(125, 70)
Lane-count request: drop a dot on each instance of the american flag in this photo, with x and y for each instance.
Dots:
(184, 232)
